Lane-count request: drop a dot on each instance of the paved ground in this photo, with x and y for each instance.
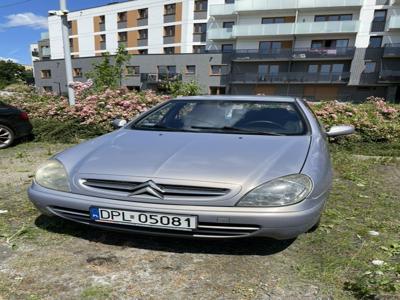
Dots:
(47, 258)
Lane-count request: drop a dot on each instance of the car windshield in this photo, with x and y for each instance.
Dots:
(241, 117)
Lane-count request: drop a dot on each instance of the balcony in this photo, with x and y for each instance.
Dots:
(327, 27)
(263, 30)
(315, 4)
(323, 53)
(268, 5)
(264, 5)
(369, 78)
(290, 77)
(261, 55)
(391, 50)
(394, 23)
(222, 9)
(46, 52)
(389, 76)
(219, 34)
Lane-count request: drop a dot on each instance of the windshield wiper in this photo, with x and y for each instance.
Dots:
(238, 129)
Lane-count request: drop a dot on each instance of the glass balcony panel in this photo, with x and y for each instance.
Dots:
(394, 23)
(219, 33)
(250, 5)
(328, 3)
(222, 9)
(327, 27)
(263, 29)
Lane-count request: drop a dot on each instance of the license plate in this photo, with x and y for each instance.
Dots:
(138, 218)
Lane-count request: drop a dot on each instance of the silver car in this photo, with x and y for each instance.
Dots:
(204, 167)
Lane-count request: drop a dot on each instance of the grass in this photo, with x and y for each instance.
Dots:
(337, 257)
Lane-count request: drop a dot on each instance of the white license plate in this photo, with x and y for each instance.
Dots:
(137, 218)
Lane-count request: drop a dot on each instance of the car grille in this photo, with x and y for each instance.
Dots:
(168, 190)
(204, 230)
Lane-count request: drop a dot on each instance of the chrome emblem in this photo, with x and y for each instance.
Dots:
(147, 188)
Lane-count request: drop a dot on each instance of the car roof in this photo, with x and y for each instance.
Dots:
(241, 98)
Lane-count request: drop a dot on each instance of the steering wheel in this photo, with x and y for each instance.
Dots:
(264, 122)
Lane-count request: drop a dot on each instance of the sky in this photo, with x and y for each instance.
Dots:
(22, 21)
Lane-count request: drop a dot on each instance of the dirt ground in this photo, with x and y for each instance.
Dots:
(48, 258)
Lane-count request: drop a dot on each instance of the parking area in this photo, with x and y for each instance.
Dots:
(42, 256)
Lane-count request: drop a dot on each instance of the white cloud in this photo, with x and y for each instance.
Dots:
(25, 20)
(9, 58)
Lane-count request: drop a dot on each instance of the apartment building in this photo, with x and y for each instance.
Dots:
(318, 49)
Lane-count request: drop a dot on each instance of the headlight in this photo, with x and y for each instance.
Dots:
(52, 175)
(279, 192)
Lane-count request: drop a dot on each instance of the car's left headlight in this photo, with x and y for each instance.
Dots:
(52, 175)
(282, 191)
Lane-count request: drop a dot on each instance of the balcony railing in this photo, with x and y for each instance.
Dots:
(103, 45)
(257, 54)
(219, 33)
(267, 5)
(394, 23)
(391, 50)
(122, 24)
(378, 26)
(291, 77)
(263, 29)
(327, 27)
(159, 77)
(320, 53)
(389, 76)
(46, 52)
(222, 9)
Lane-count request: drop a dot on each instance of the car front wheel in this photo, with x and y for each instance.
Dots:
(6, 136)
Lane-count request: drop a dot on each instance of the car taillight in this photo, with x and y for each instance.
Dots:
(24, 116)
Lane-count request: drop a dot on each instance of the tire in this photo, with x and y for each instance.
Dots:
(7, 136)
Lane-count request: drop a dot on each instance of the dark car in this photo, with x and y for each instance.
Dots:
(14, 124)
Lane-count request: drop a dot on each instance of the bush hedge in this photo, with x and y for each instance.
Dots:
(375, 120)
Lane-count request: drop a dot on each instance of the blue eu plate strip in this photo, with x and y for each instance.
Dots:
(94, 213)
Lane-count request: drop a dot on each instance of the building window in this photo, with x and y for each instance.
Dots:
(200, 5)
(228, 25)
(313, 69)
(143, 13)
(200, 28)
(370, 67)
(48, 89)
(218, 70)
(330, 44)
(217, 90)
(227, 48)
(169, 9)
(132, 70)
(143, 34)
(143, 51)
(45, 74)
(169, 31)
(102, 19)
(122, 36)
(229, 1)
(122, 17)
(169, 50)
(103, 41)
(380, 15)
(191, 69)
(379, 22)
(171, 70)
(272, 20)
(327, 18)
(270, 46)
(199, 49)
(268, 69)
(77, 72)
(375, 42)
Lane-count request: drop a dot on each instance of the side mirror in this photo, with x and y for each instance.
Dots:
(340, 130)
(118, 123)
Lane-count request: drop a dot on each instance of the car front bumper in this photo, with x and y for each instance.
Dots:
(213, 222)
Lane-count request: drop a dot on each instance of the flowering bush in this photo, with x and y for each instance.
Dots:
(375, 120)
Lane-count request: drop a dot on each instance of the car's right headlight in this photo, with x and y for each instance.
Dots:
(52, 175)
(283, 191)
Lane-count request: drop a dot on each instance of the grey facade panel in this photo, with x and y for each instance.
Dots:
(169, 39)
(148, 64)
(142, 42)
(169, 18)
(142, 22)
(200, 15)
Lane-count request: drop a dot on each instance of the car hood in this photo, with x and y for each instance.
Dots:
(207, 157)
